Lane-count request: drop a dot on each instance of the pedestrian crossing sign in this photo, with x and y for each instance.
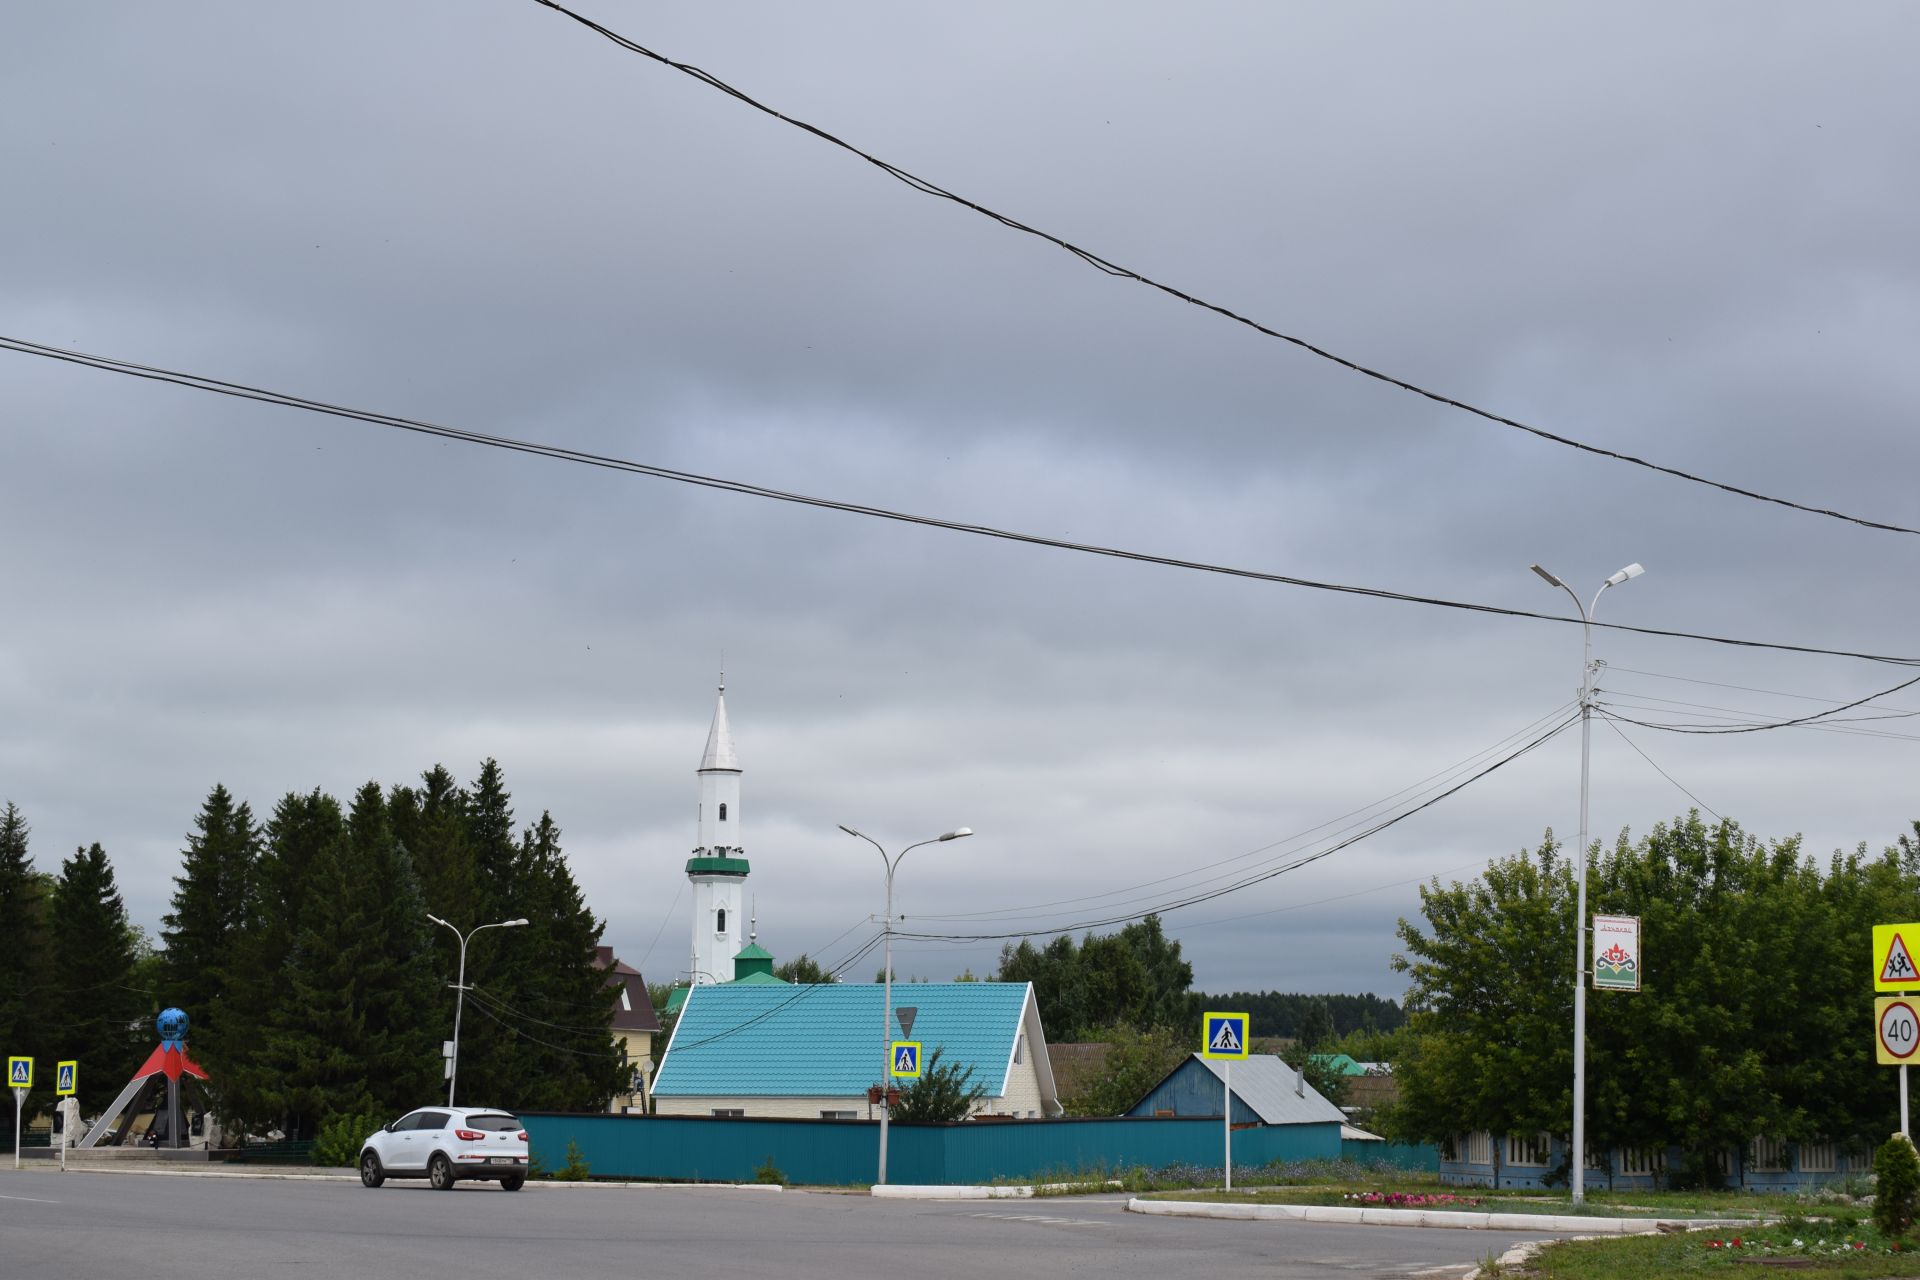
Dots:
(905, 1060)
(63, 1079)
(1894, 967)
(20, 1072)
(1224, 1035)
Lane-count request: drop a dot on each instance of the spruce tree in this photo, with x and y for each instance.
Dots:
(490, 1064)
(250, 1089)
(24, 990)
(552, 1002)
(94, 958)
(212, 904)
(354, 1033)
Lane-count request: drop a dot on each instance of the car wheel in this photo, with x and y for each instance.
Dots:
(513, 1182)
(371, 1174)
(440, 1172)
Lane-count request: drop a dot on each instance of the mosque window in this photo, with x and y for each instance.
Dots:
(723, 811)
(720, 920)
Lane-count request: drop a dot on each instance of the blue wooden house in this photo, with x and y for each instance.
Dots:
(1482, 1159)
(1266, 1092)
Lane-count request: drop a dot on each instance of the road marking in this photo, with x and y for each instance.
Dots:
(1038, 1218)
(30, 1199)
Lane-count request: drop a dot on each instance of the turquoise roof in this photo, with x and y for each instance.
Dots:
(824, 1040)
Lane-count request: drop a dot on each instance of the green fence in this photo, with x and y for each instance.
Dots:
(1422, 1157)
(843, 1152)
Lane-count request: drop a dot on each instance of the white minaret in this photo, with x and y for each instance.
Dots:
(718, 868)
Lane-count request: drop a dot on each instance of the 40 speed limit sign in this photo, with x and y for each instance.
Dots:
(1897, 1034)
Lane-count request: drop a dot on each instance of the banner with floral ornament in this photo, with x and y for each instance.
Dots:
(1616, 953)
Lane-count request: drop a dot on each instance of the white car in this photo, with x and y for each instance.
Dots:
(446, 1145)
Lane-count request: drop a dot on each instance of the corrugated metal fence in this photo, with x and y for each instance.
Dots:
(845, 1152)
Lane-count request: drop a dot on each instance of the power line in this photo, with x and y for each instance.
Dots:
(1611, 724)
(1814, 718)
(1717, 684)
(1111, 268)
(1417, 788)
(580, 457)
(1264, 876)
(1839, 724)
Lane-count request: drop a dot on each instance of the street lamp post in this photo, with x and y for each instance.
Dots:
(1577, 1159)
(886, 1017)
(460, 989)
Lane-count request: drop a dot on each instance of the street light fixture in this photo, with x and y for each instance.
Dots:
(1577, 1159)
(460, 989)
(886, 1017)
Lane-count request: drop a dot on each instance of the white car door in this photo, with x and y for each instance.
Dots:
(400, 1148)
(429, 1133)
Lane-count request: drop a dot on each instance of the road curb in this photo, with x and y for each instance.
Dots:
(351, 1175)
(897, 1191)
(1453, 1218)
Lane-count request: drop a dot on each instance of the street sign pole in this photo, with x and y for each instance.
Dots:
(1903, 1104)
(19, 1101)
(1226, 1114)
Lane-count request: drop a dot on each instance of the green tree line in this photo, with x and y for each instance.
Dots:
(1755, 1015)
(301, 950)
(1289, 1015)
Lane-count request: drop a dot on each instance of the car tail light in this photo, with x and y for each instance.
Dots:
(523, 1135)
(469, 1135)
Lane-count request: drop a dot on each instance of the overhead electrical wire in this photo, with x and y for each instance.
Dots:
(1721, 684)
(1613, 725)
(1385, 802)
(1813, 718)
(1261, 877)
(107, 364)
(1838, 724)
(1111, 268)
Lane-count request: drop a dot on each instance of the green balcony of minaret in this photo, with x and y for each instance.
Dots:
(699, 865)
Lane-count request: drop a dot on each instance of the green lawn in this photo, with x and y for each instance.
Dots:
(1821, 1249)
(1609, 1204)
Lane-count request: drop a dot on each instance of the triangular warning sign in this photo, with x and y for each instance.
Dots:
(1226, 1037)
(22, 1072)
(1898, 966)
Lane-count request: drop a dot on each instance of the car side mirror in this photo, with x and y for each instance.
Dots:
(388, 1126)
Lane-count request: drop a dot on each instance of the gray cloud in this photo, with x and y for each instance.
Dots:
(1682, 234)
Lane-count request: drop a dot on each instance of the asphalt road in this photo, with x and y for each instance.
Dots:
(84, 1226)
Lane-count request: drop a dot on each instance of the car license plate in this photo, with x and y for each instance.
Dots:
(501, 1160)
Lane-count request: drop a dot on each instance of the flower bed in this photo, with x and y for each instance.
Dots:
(1411, 1200)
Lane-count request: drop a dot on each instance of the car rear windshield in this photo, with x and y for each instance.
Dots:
(492, 1123)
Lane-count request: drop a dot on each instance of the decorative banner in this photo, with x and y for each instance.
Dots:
(1893, 963)
(1616, 953)
(1896, 1031)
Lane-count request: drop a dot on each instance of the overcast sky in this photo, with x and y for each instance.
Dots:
(1680, 232)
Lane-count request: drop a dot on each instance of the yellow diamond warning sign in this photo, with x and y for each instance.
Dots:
(1893, 957)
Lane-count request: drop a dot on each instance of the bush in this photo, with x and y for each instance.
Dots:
(770, 1173)
(1896, 1174)
(944, 1092)
(341, 1137)
(576, 1168)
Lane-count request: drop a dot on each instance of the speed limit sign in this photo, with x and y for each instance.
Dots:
(1898, 1030)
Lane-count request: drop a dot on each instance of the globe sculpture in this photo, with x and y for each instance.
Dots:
(172, 1024)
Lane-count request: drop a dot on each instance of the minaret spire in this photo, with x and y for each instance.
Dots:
(718, 868)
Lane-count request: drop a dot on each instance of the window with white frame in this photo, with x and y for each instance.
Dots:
(839, 1115)
(1642, 1161)
(1767, 1155)
(1020, 1048)
(1479, 1147)
(1527, 1150)
(1818, 1157)
(735, 1112)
